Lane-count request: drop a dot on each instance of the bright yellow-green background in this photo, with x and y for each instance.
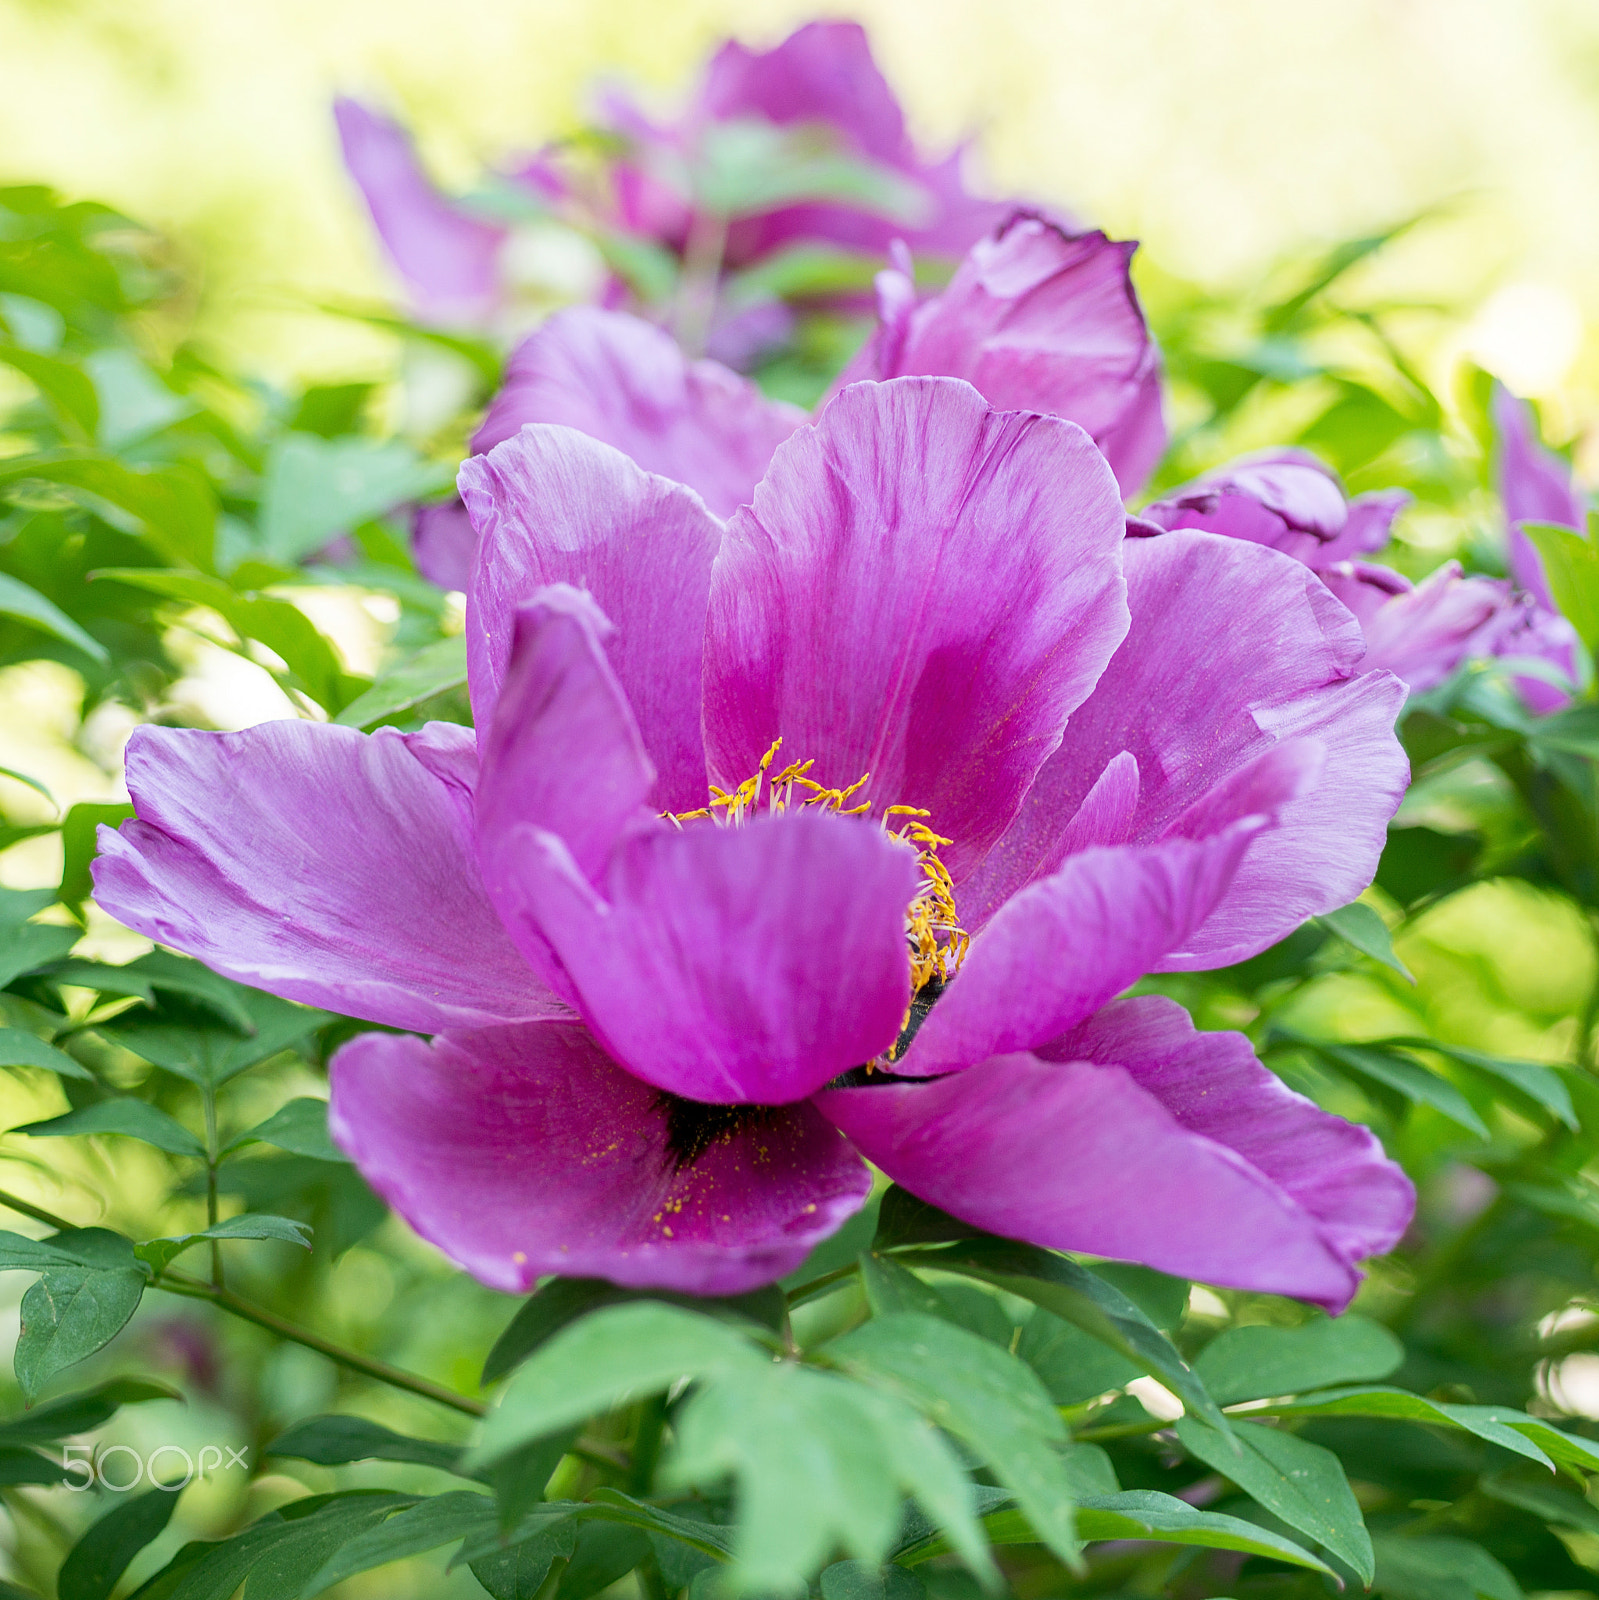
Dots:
(1220, 132)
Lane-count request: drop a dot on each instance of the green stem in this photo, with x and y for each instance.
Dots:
(1589, 1020)
(697, 288)
(647, 1445)
(1122, 1430)
(210, 1095)
(180, 1283)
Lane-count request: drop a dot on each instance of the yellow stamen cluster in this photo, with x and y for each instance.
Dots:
(937, 941)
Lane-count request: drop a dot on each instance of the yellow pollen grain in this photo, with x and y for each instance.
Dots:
(937, 942)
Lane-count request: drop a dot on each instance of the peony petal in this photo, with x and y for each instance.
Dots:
(1038, 319)
(563, 753)
(525, 1151)
(1215, 1087)
(625, 382)
(554, 506)
(823, 76)
(1534, 486)
(1282, 498)
(736, 965)
(923, 591)
(1232, 649)
(444, 544)
(1421, 634)
(1061, 948)
(448, 258)
(326, 865)
(1367, 527)
(1079, 1157)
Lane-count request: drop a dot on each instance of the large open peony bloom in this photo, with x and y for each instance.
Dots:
(1036, 318)
(1287, 500)
(830, 832)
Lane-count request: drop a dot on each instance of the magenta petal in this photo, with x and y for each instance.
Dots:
(447, 258)
(444, 544)
(1215, 1087)
(1232, 649)
(923, 591)
(563, 753)
(554, 506)
(1074, 1156)
(1061, 948)
(823, 73)
(329, 866)
(1422, 634)
(525, 1151)
(1041, 320)
(625, 382)
(1367, 527)
(732, 965)
(1534, 486)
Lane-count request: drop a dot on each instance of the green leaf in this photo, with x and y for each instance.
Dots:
(137, 1119)
(820, 1464)
(27, 782)
(1136, 1514)
(1571, 564)
(1098, 1307)
(429, 672)
(176, 504)
(1535, 1493)
(278, 1553)
(1512, 1430)
(19, 1048)
(33, 945)
(1440, 1569)
(69, 1314)
(80, 845)
(1358, 925)
(81, 1412)
(160, 1253)
(1251, 1363)
(17, 600)
(984, 1396)
(316, 488)
(102, 1554)
(211, 1057)
(18, 1465)
(616, 1354)
(301, 1127)
(518, 1572)
(1538, 1081)
(331, 1441)
(1295, 1480)
(747, 166)
(891, 1287)
(68, 390)
(859, 1580)
(313, 664)
(563, 1300)
(440, 1519)
(73, 1247)
(1402, 1075)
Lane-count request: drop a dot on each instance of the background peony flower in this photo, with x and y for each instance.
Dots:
(1037, 319)
(1289, 501)
(820, 89)
(1137, 755)
(1535, 485)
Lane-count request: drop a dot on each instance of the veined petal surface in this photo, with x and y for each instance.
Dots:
(329, 866)
(525, 1151)
(923, 591)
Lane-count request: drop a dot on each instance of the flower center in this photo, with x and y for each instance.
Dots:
(693, 1126)
(937, 941)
